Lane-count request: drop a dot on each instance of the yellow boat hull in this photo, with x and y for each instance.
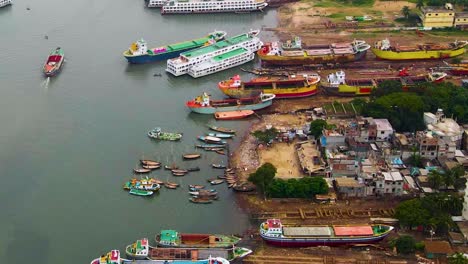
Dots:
(280, 93)
(417, 55)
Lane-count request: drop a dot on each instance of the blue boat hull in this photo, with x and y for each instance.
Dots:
(140, 59)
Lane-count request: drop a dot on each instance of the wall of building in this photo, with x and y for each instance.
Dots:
(436, 19)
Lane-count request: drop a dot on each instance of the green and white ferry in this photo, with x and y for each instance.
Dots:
(182, 64)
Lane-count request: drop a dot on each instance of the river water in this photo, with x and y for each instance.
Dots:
(67, 146)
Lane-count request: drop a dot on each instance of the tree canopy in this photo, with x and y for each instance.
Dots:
(297, 188)
(317, 126)
(411, 213)
(457, 258)
(265, 136)
(405, 244)
(263, 176)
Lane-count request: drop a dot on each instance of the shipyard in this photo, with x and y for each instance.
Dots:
(235, 131)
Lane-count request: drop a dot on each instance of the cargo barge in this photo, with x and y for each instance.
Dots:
(172, 238)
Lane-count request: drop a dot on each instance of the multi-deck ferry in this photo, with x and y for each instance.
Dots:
(211, 6)
(5, 3)
(182, 64)
(156, 3)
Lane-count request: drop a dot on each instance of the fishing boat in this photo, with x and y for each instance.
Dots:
(4, 3)
(191, 156)
(157, 134)
(193, 169)
(171, 185)
(216, 182)
(158, 181)
(222, 129)
(178, 173)
(54, 62)
(139, 192)
(151, 167)
(149, 162)
(139, 52)
(274, 233)
(210, 139)
(383, 49)
(196, 186)
(112, 257)
(220, 152)
(211, 6)
(182, 64)
(200, 200)
(204, 105)
(148, 184)
(337, 83)
(172, 238)
(244, 187)
(211, 192)
(220, 135)
(218, 166)
(138, 250)
(291, 86)
(221, 176)
(156, 3)
(210, 146)
(172, 167)
(136, 170)
(274, 54)
(233, 115)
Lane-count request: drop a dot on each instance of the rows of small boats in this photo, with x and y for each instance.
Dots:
(179, 248)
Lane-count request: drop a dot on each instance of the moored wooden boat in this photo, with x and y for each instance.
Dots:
(136, 170)
(139, 192)
(212, 140)
(233, 115)
(200, 200)
(196, 186)
(210, 147)
(221, 152)
(150, 162)
(191, 156)
(172, 167)
(221, 176)
(218, 166)
(222, 129)
(217, 181)
(54, 62)
(194, 169)
(178, 173)
(244, 187)
(220, 135)
(151, 167)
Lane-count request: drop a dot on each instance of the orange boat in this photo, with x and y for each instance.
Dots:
(239, 114)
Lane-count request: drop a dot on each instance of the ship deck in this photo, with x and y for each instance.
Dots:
(217, 46)
(229, 54)
(187, 44)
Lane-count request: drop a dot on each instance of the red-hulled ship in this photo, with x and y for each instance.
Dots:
(54, 62)
(274, 233)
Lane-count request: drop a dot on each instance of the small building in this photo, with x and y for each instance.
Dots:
(349, 187)
(389, 183)
(384, 129)
(437, 17)
(437, 249)
(461, 20)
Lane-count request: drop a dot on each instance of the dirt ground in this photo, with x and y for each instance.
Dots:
(284, 157)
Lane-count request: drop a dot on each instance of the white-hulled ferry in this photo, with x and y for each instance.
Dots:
(5, 3)
(221, 62)
(156, 3)
(212, 6)
(181, 65)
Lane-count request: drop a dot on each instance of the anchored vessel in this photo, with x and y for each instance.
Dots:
(384, 50)
(274, 233)
(172, 238)
(295, 54)
(156, 133)
(54, 62)
(203, 105)
(337, 84)
(211, 6)
(139, 52)
(156, 3)
(182, 64)
(292, 86)
(5, 3)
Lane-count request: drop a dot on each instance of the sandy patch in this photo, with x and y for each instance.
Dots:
(284, 157)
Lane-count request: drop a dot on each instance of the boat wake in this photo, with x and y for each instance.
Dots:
(45, 83)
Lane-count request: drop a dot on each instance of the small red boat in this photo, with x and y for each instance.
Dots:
(239, 114)
(54, 62)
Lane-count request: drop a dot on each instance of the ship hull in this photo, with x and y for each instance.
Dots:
(307, 60)
(158, 57)
(211, 110)
(198, 10)
(310, 242)
(417, 55)
(344, 90)
(459, 71)
(280, 93)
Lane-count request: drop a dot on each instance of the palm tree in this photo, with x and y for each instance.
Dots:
(420, 4)
(457, 258)
(435, 179)
(405, 11)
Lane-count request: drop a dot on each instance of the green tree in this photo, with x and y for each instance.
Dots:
(420, 4)
(406, 11)
(457, 258)
(263, 176)
(265, 136)
(411, 213)
(297, 188)
(317, 126)
(405, 244)
(415, 159)
(435, 179)
(386, 88)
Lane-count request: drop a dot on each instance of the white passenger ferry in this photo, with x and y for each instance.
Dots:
(222, 62)
(5, 3)
(186, 60)
(212, 6)
(156, 3)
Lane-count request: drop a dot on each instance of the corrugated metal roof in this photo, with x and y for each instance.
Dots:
(307, 231)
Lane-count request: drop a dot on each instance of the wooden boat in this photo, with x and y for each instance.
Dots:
(228, 170)
(194, 169)
(231, 181)
(230, 185)
(215, 197)
(217, 181)
(191, 156)
(274, 233)
(172, 167)
(170, 185)
(233, 115)
(244, 187)
(151, 167)
(148, 184)
(213, 140)
(54, 62)
(210, 146)
(178, 173)
(200, 200)
(150, 162)
(200, 193)
(220, 135)
(221, 152)
(204, 105)
(221, 177)
(156, 133)
(140, 192)
(291, 86)
(158, 181)
(222, 129)
(211, 179)
(141, 170)
(218, 166)
(196, 186)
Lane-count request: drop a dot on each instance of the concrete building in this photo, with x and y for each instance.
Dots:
(437, 17)
(446, 128)
(384, 129)
(389, 183)
(461, 20)
(349, 187)
(428, 145)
